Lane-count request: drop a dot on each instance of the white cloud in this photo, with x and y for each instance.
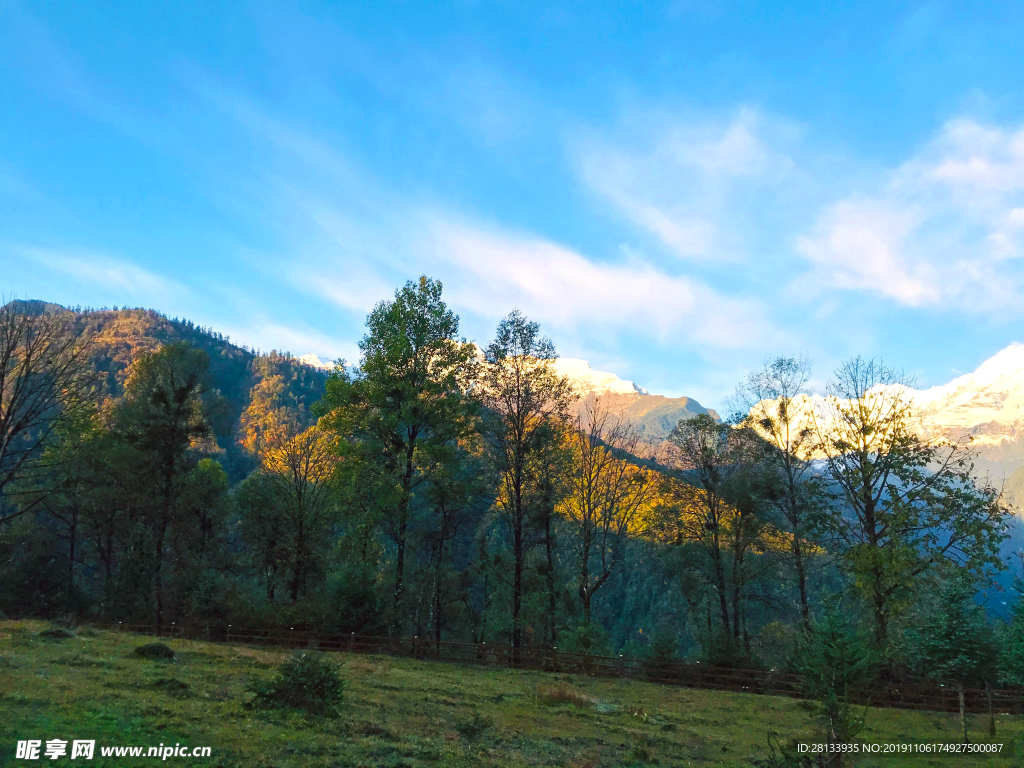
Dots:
(116, 275)
(859, 244)
(946, 228)
(493, 271)
(683, 180)
(265, 334)
(351, 239)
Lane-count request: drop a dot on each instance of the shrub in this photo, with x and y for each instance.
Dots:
(56, 634)
(473, 728)
(561, 694)
(586, 640)
(155, 651)
(306, 681)
(661, 657)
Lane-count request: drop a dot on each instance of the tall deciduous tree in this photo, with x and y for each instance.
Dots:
(955, 644)
(297, 468)
(457, 483)
(912, 504)
(165, 416)
(45, 379)
(778, 408)
(288, 503)
(526, 404)
(408, 396)
(605, 497)
(708, 458)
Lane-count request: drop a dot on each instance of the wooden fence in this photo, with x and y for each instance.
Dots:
(689, 675)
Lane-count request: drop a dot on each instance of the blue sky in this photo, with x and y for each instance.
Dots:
(675, 191)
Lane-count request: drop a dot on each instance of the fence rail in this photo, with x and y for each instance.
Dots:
(695, 675)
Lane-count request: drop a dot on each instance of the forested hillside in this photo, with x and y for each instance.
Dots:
(118, 337)
(153, 472)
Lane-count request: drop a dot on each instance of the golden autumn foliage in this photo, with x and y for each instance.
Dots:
(675, 515)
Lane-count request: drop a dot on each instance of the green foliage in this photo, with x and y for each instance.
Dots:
(954, 643)
(307, 681)
(474, 727)
(357, 601)
(1012, 641)
(664, 645)
(154, 651)
(526, 405)
(30, 586)
(407, 402)
(914, 506)
(834, 660)
(586, 639)
(785, 754)
(441, 505)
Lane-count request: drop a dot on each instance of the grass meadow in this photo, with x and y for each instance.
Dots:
(404, 712)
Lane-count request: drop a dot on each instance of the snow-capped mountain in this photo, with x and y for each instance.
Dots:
(586, 380)
(987, 405)
(315, 362)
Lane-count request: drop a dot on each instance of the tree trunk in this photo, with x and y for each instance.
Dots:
(164, 522)
(878, 593)
(403, 529)
(517, 585)
(963, 719)
(437, 588)
(552, 600)
(801, 580)
(517, 557)
(72, 541)
(300, 542)
(723, 604)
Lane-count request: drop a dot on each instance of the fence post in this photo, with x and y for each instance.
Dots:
(554, 658)
(352, 642)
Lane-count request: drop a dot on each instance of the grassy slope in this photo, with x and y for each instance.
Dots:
(397, 712)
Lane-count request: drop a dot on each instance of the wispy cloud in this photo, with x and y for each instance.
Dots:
(118, 276)
(946, 228)
(494, 270)
(350, 239)
(684, 179)
(859, 245)
(263, 333)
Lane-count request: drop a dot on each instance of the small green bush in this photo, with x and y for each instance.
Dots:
(56, 634)
(307, 681)
(155, 651)
(474, 728)
(587, 640)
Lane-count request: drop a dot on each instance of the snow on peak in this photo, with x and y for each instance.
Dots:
(586, 379)
(989, 403)
(315, 362)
